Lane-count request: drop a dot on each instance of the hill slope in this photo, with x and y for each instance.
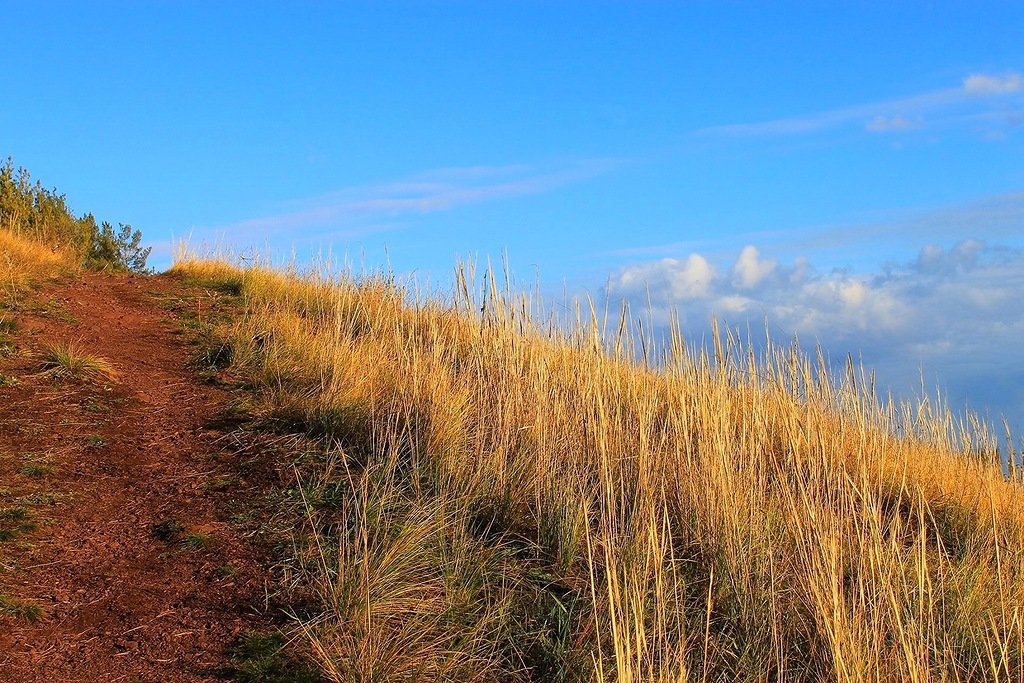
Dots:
(501, 497)
(470, 494)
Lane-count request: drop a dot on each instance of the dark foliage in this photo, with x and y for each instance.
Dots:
(117, 250)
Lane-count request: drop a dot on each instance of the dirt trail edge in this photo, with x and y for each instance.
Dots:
(125, 542)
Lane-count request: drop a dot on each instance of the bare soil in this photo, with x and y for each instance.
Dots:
(134, 559)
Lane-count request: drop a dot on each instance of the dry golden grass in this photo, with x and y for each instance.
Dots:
(24, 261)
(68, 361)
(510, 501)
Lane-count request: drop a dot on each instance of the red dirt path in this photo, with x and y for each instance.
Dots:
(125, 598)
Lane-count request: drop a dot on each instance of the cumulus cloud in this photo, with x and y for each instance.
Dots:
(985, 84)
(957, 312)
(934, 258)
(750, 270)
(671, 279)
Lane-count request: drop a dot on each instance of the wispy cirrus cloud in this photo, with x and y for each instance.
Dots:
(994, 217)
(984, 84)
(976, 95)
(363, 209)
(887, 124)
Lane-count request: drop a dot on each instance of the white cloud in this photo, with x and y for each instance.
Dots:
(957, 312)
(734, 304)
(672, 279)
(985, 84)
(749, 269)
(934, 258)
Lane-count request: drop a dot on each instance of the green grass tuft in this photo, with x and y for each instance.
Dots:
(15, 521)
(18, 513)
(195, 541)
(264, 658)
(37, 469)
(20, 609)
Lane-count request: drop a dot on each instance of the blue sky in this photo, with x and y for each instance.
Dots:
(869, 155)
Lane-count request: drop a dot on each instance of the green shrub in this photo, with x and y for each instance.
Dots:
(118, 251)
(31, 211)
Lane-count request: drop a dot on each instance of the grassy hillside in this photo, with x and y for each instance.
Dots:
(500, 496)
(503, 500)
(23, 261)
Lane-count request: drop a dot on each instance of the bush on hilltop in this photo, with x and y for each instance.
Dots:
(30, 211)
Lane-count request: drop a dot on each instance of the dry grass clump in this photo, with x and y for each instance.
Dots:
(68, 360)
(508, 500)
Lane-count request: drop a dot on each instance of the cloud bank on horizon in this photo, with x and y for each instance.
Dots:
(954, 312)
